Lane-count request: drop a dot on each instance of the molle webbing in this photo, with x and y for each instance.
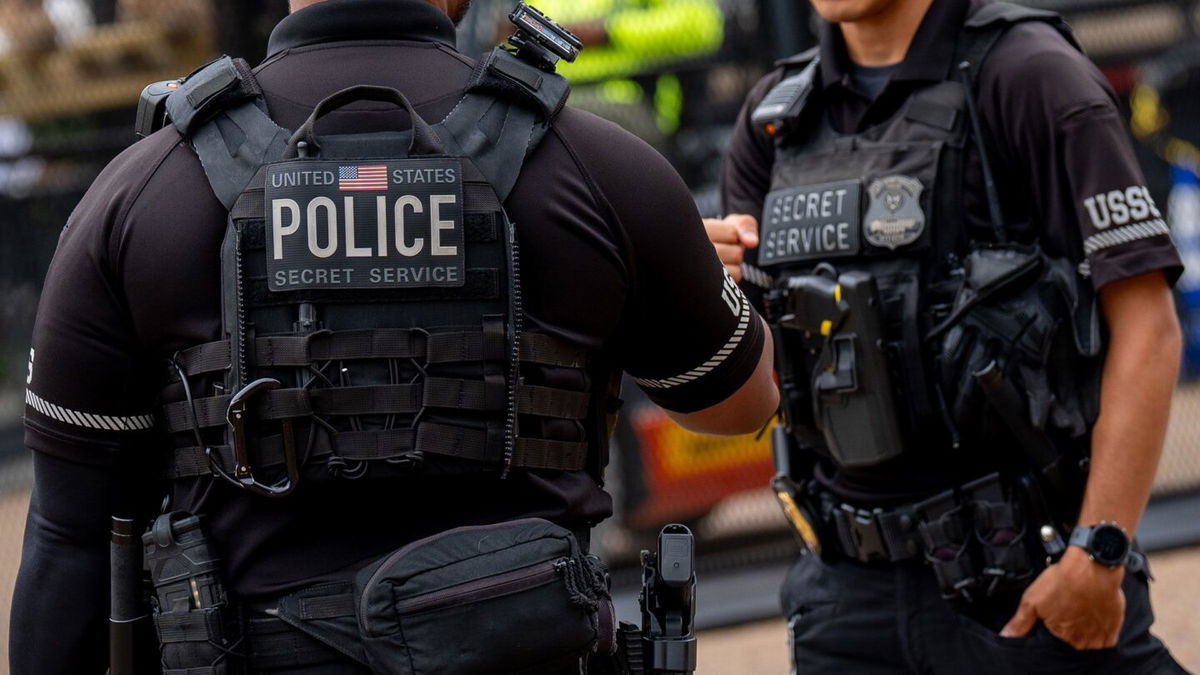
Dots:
(382, 343)
(384, 446)
(380, 399)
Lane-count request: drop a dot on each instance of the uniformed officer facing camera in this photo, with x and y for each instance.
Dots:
(341, 346)
(969, 285)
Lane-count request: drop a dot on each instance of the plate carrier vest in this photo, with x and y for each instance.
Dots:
(386, 381)
(884, 206)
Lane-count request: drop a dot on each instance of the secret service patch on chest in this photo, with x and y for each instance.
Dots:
(364, 224)
(810, 222)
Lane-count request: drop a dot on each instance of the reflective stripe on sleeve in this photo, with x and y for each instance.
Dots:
(88, 420)
(1124, 235)
(737, 301)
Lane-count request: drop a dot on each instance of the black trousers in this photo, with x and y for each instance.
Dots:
(847, 617)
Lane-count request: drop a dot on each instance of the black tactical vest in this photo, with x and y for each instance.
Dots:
(882, 204)
(371, 296)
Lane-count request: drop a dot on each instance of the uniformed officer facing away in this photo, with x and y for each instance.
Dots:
(342, 339)
(969, 283)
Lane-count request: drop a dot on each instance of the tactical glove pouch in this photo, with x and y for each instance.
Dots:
(515, 597)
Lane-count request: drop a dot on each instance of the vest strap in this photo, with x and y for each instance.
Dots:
(221, 111)
(506, 111)
(215, 86)
(988, 24)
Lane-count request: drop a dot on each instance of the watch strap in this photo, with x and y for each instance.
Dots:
(1081, 536)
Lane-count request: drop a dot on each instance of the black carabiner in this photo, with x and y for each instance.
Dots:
(243, 472)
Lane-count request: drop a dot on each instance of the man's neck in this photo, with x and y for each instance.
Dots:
(883, 39)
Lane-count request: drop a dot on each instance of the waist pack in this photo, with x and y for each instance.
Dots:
(516, 597)
(520, 596)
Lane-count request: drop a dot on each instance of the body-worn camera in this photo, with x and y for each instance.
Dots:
(541, 39)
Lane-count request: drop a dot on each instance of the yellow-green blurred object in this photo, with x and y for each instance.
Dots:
(642, 34)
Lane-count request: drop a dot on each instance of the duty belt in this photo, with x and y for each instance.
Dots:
(974, 537)
(875, 534)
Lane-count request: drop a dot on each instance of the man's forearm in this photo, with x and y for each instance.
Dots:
(1139, 378)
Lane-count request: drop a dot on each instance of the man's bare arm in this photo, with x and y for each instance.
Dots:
(1079, 600)
(1139, 378)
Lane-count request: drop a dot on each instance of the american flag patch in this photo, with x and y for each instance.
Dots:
(361, 178)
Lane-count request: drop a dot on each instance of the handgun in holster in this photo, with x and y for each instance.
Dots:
(666, 642)
(852, 397)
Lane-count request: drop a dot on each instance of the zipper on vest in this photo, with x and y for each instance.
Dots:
(516, 309)
(240, 306)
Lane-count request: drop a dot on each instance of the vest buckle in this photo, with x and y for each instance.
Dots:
(236, 416)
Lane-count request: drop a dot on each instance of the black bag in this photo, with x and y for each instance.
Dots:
(514, 597)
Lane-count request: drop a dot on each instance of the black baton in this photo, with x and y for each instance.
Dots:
(127, 610)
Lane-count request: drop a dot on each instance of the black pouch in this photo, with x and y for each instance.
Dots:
(1020, 353)
(514, 597)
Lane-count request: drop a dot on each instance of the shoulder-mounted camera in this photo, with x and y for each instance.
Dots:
(539, 40)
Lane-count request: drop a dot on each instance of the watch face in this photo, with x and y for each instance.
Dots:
(1109, 545)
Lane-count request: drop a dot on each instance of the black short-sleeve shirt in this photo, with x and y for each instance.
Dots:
(1064, 164)
(614, 257)
(1061, 152)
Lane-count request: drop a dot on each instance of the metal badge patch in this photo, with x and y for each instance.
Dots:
(365, 224)
(894, 216)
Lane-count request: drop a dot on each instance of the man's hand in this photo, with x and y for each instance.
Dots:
(1080, 602)
(731, 236)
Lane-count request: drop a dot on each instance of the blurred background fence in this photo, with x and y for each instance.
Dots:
(674, 72)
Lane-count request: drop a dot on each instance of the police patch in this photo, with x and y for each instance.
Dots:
(345, 224)
(894, 217)
(812, 222)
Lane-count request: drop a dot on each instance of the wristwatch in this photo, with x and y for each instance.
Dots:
(1106, 543)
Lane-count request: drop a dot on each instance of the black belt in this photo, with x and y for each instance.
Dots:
(903, 532)
(975, 537)
(875, 534)
(271, 643)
